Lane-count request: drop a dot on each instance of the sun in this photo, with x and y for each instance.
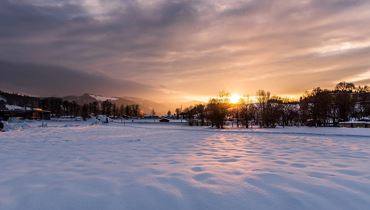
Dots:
(235, 98)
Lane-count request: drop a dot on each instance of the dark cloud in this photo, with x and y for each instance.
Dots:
(45, 80)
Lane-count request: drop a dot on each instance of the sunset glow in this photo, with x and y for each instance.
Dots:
(170, 51)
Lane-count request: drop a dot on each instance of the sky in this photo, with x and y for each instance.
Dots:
(182, 50)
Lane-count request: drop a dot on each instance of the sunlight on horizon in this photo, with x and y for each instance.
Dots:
(235, 98)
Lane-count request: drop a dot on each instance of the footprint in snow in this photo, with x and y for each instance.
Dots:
(133, 140)
(197, 169)
(172, 162)
(280, 162)
(298, 165)
(350, 172)
(228, 160)
(202, 177)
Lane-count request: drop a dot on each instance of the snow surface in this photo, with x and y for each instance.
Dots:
(73, 165)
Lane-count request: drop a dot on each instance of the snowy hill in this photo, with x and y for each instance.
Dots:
(103, 98)
(15, 107)
(83, 99)
(145, 105)
(14, 101)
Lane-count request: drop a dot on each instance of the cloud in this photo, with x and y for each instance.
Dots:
(46, 80)
(193, 47)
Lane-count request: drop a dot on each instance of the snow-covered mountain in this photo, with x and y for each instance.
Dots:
(12, 101)
(103, 98)
(145, 105)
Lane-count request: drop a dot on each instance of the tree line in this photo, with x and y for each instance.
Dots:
(318, 107)
(60, 107)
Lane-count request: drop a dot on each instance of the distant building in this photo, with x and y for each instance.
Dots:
(31, 114)
(355, 124)
(164, 120)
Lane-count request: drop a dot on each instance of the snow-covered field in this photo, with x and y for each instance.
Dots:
(73, 165)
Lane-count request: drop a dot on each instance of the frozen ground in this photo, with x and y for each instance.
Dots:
(167, 167)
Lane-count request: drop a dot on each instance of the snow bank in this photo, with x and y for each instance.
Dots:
(167, 167)
(15, 125)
